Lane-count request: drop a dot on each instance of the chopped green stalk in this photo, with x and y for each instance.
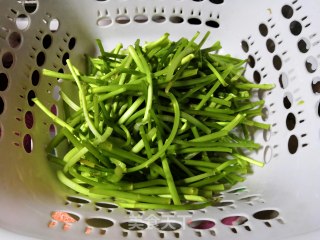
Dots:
(128, 60)
(146, 184)
(205, 149)
(117, 48)
(135, 116)
(211, 136)
(55, 160)
(194, 198)
(141, 144)
(250, 160)
(187, 59)
(104, 137)
(196, 122)
(118, 171)
(203, 169)
(128, 135)
(248, 86)
(83, 100)
(169, 139)
(257, 124)
(96, 112)
(70, 154)
(106, 96)
(215, 188)
(100, 46)
(83, 179)
(225, 165)
(111, 88)
(68, 101)
(214, 101)
(193, 90)
(170, 182)
(176, 62)
(234, 123)
(166, 207)
(156, 43)
(122, 109)
(175, 78)
(131, 110)
(75, 158)
(208, 95)
(235, 177)
(201, 163)
(195, 178)
(146, 139)
(131, 196)
(214, 115)
(215, 47)
(204, 39)
(191, 198)
(215, 72)
(51, 115)
(188, 73)
(182, 84)
(54, 74)
(76, 187)
(147, 71)
(165, 190)
(195, 131)
(250, 105)
(208, 181)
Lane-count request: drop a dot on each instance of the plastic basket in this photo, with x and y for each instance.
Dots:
(281, 38)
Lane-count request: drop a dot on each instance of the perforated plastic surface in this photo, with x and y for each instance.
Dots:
(281, 39)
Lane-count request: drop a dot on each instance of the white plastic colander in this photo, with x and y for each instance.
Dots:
(281, 39)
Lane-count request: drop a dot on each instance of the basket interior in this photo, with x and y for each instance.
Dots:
(281, 39)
